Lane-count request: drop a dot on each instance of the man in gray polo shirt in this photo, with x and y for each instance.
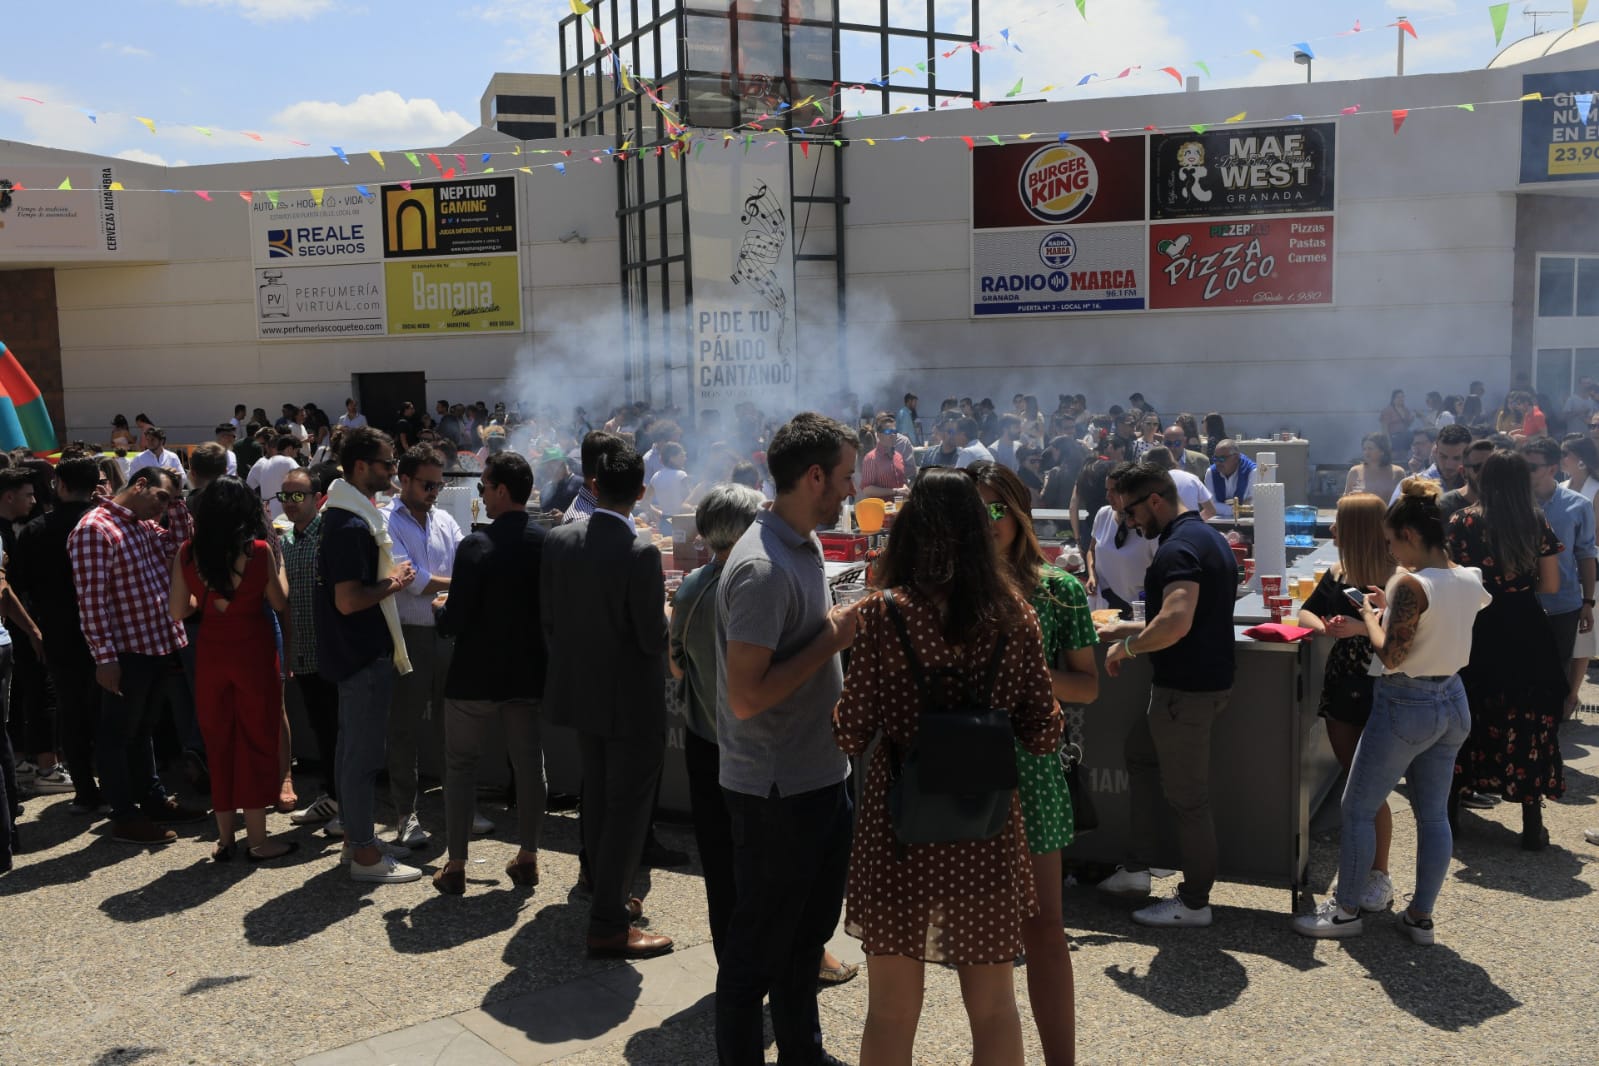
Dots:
(784, 779)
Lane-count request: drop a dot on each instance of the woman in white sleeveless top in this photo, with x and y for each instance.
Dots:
(1579, 458)
(1421, 633)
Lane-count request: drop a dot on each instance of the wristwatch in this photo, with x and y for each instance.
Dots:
(1585, 603)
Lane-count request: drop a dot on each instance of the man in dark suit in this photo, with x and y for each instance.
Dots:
(602, 608)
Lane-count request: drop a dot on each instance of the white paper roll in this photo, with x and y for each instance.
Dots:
(1271, 531)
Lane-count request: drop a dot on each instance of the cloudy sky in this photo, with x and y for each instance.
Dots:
(400, 73)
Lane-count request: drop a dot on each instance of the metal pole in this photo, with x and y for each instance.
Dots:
(1400, 29)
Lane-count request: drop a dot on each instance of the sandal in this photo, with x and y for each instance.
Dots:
(450, 882)
(289, 848)
(843, 973)
(525, 874)
(224, 852)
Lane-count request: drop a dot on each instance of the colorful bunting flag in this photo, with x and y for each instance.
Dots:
(1082, 8)
(364, 191)
(580, 8)
(1404, 25)
(1584, 106)
(203, 194)
(1174, 72)
(66, 183)
(970, 144)
(1239, 117)
(149, 123)
(1202, 66)
(115, 186)
(1350, 110)
(1399, 118)
(1467, 107)
(1497, 14)
(316, 195)
(1199, 128)
(340, 153)
(1015, 89)
(272, 197)
(1304, 46)
(247, 196)
(1579, 8)
(415, 162)
(377, 155)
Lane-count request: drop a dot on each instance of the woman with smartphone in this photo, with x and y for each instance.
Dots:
(1421, 634)
(1334, 610)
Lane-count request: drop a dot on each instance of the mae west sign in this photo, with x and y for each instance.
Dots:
(1259, 170)
(1058, 227)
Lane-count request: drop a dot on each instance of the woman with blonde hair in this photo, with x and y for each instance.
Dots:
(1069, 638)
(1346, 689)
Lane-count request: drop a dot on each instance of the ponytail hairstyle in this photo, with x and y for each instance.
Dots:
(1417, 509)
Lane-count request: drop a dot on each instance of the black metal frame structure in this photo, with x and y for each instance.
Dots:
(675, 45)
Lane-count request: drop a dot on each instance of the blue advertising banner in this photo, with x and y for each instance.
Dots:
(1560, 132)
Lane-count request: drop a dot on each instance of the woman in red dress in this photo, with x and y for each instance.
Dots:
(230, 574)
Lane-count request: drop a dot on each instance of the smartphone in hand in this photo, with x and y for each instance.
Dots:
(1355, 596)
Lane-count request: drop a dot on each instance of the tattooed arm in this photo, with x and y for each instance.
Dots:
(1392, 641)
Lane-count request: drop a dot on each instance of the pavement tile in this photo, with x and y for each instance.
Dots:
(444, 1042)
(547, 1025)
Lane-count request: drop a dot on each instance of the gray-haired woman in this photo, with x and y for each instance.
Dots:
(723, 515)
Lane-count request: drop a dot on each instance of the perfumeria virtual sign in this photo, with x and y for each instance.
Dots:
(420, 258)
(1240, 217)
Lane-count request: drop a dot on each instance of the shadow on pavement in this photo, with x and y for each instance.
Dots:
(173, 892)
(1435, 985)
(122, 1056)
(687, 1036)
(206, 984)
(443, 923)
(1490, 857)
(319, 903)
(98, 854)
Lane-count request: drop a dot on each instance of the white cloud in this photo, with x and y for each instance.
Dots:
(1058, 47)
(268, 10)
(126, 49)
(1422, 7)
(536, 23)
(384, 120)
(139, 155)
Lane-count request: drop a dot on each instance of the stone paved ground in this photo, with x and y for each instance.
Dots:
(111, 954)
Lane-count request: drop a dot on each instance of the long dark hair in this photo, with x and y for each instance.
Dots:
(1026, 557)
(1091, 485)
(227, 519)
(942, 548)
(1510, 519)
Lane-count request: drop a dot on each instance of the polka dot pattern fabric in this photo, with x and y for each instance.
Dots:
(961, 904)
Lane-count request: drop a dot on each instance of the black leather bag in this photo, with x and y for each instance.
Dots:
(1085, 819)
(957, 778)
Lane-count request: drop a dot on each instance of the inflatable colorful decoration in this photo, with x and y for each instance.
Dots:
(24, 420)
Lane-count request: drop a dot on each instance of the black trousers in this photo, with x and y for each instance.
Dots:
(78, 699)
(713, 833)
(619, 775)
(9, 799)
(790, 857)
(124, 743)
(33, 704)
(321, 698)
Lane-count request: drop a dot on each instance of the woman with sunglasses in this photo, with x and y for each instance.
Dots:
(961, 904)
(1116, 555)
(229, 573)
(1069, 638)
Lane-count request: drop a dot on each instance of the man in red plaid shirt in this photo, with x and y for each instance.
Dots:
(121, 568)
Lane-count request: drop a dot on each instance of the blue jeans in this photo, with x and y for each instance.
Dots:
(363, 748)
(1417, 726)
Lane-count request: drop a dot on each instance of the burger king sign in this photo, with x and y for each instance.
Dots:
(1058, 183)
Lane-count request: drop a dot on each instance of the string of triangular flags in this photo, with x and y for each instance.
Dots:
(1398, 116)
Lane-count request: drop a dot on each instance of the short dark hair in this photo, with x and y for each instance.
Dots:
(909, 396)
(595, 444)
(618, 478)
(209, 460)
(362, 445)
(418, 456)
(239, 408)
(14, 478)
(79, 475)
(968, 428)
(885, 420)
(806, 440)
(745, 474)
(512, 471)
(1146, 479)
(322, 475)
(225, 427)
(1547, 449)
(157, 432)
(1454, 433)
(285, 440)
(1160, 457)
(151, 475)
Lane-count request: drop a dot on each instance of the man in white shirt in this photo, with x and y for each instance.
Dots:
(226, 436)
(661, 433)
(155, 454)
(426, 537)
(1190, 490)
(971, 449)
(1004, 449)
(351, 418)
(1231, 476)
(240, 419)
(266, 477)
(293, 422)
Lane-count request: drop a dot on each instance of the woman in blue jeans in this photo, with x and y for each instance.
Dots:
(1420, 631)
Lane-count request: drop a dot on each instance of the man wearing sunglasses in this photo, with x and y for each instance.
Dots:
(1470, 469)
(426, 537)
(266, 477)
(1189, 588)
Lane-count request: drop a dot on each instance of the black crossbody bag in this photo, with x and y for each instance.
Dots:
(956, 780)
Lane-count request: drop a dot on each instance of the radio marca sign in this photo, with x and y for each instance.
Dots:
(1155, 222)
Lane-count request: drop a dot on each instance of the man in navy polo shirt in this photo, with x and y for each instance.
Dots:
(1189, 590)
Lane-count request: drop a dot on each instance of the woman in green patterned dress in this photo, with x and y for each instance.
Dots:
(1062, 607)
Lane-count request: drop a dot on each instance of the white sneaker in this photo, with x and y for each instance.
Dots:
(55, 779)
(25, 770)
(394, 851)
(1173, 913)
(322, 810)
(481, 825)
(334, 828)
(1160, 872)
(1591, 835)
(1125, 882)
(1379, 894)
(411, 834)
(1420, 931)
(386, 871)
(1329, 921)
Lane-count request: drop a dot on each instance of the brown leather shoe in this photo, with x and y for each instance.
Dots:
(170, 812)
(141, 830)
(450, 882)
(634, 944)
(635, 909)
(525, 874)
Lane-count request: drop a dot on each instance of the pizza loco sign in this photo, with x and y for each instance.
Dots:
(414, 259)
(1238, 218)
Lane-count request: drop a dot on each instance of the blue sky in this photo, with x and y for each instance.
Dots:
(393, 74)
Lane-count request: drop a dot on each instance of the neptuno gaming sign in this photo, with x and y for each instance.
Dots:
(1058, 183)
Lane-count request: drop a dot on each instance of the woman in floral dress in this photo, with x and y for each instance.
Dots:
(1061, 603)
(1515, 682)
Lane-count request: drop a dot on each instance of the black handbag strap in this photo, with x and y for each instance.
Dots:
(923, 686)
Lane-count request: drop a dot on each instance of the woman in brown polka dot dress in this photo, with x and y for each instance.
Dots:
(960, 904)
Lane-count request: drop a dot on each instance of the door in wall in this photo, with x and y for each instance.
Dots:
(382, 395)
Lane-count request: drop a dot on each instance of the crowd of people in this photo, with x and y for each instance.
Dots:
(312, 553)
